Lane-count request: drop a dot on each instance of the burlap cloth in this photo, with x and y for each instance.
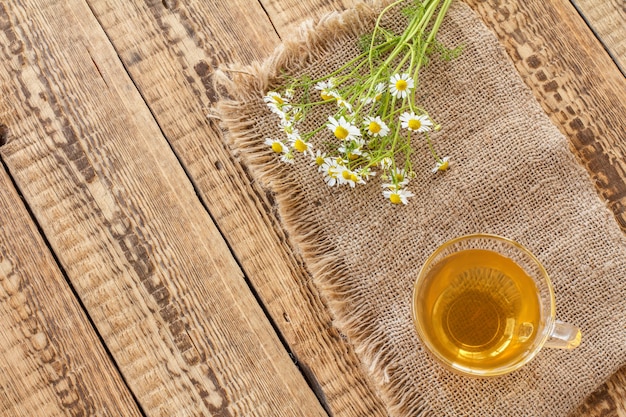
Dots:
(512, 174)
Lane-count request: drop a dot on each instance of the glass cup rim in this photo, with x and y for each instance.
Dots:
(550, 315)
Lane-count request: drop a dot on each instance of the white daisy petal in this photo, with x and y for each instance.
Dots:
(330, 170)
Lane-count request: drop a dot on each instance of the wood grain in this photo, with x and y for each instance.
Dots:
(184, 43)
(52, 361)
(607, 18)
(152, 270)
(287, 15)
(584, 93)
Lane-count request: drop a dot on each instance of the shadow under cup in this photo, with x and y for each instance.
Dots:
(483, 305)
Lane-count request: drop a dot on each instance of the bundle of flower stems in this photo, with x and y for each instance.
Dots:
(373, 117)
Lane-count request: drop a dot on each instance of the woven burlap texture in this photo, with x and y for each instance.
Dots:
(512, 173)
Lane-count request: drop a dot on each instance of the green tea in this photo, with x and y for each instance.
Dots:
(479, 310)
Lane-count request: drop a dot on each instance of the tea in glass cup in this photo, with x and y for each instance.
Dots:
(483, 305)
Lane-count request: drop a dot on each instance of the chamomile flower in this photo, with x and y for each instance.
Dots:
(363, 112)
(442, 165)
(416, 123)
(399, 178)
(287, 124)
(348, 176)
(342, 129)
(352, 149)
(379, 90)
(375, 126)
(326, 89)
(340, 161)
(274, 97)
(365, 173)
(290, 129)
(287, 157)
(317, 159)
(301, 145)
(386, 163)
(398, 196)
(295, 114)
(277, 103)
(342, 102)
(287, 120)
(276, 145)
(331, 171)
(400, 85)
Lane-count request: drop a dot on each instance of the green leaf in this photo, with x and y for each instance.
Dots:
(445, 53)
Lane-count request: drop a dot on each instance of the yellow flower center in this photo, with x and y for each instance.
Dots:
(353, 177)
(374, 127)
(278, 100)
(325, 96)
(277, 147)
(414, 124)
(399, 177)
(345, 175)
(300, 145)
(444, 166)
(395, 198)
(319, 160)
(341, 132)
(401, 85)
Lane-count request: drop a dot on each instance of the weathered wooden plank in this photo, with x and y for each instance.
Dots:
(52, 361)
(152, 270)
(183, 43)
(608, 20)
(287, 15)
(584, 93)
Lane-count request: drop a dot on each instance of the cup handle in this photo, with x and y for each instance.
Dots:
(563, 336)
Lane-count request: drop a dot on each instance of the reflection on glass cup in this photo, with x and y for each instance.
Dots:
(483, 305)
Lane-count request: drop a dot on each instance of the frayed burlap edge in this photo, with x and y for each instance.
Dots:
(243, 84)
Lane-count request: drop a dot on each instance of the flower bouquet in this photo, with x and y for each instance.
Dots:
(371, 102)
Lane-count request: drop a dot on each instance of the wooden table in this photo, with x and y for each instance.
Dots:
(142, 270)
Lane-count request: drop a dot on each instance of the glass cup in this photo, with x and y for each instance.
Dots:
(483, 305)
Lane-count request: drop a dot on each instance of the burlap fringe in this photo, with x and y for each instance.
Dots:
(250, 83)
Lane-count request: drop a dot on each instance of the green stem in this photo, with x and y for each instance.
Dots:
(440, 16)
(431, 148)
